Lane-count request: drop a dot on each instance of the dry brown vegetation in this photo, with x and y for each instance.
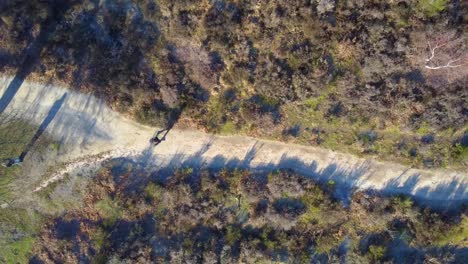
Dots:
(239, 216)
(262, 68)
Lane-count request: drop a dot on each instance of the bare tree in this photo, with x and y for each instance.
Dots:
(441, 56)
(446, 51)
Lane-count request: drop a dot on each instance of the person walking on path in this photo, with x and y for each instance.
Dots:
(155, 140)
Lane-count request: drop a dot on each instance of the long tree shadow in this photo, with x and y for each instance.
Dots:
(132, 176)
(30, 56)
(108, 49)
(50, 116)
(447, 196)
(346, 180)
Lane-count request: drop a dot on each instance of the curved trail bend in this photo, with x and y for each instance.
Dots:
(86, 127)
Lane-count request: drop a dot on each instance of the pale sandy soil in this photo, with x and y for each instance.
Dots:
(90, 132)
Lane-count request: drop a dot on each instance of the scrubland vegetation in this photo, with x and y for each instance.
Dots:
(356, 76)
(126, 213)
(377, 78)
(232, 216)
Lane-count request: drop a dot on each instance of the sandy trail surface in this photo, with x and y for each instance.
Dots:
(89, 131)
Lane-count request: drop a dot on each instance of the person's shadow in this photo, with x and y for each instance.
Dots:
(50, 116)
(45, 123)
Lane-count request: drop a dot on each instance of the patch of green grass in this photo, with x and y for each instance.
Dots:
(187, 245)
(15, 135)
(376, 253)
(233, 234)
(431, 8)
(402, 202)
(332, 141)
(186, 171)
(294, 61)
(18, 251)
(341, 135)
(55, 146)
(145, 114)
(217, 111)
(234, 179)
(424, 129)
(326, 243)
(460, 153)
(228, 128)
(99, 238)
(154, 192)
(7, 176)
(245, 207)
(457, 235)
(313, 103)
(403, 23)
(269, 244)
(22, 219)
(109, 210)
(236, 77)
(313, 200)
(312, 214)
(19, 227)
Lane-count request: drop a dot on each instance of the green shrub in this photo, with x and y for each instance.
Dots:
(457, 235)
(149, 116)
(376, 253)
(327, 242)
(17, 252)
(233, 234)
(460, 152)
(18, 221)
(228, 128)
(99, 238)
(153, 192)
(109, 210)
(402, 202)
(431, 8)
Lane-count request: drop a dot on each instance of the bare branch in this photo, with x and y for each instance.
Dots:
(448, 65)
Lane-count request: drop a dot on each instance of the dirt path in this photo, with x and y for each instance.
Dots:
(85, 126)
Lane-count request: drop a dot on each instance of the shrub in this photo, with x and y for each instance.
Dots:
(233, 235)
(368, 137)
(289, 206)
(402, 202)
(376, 253)
(153, 192)
(456, 235)
(146, 114)
(109, 210)
(327, 242)
(460, 152)
(432, 8)
(228, 128)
